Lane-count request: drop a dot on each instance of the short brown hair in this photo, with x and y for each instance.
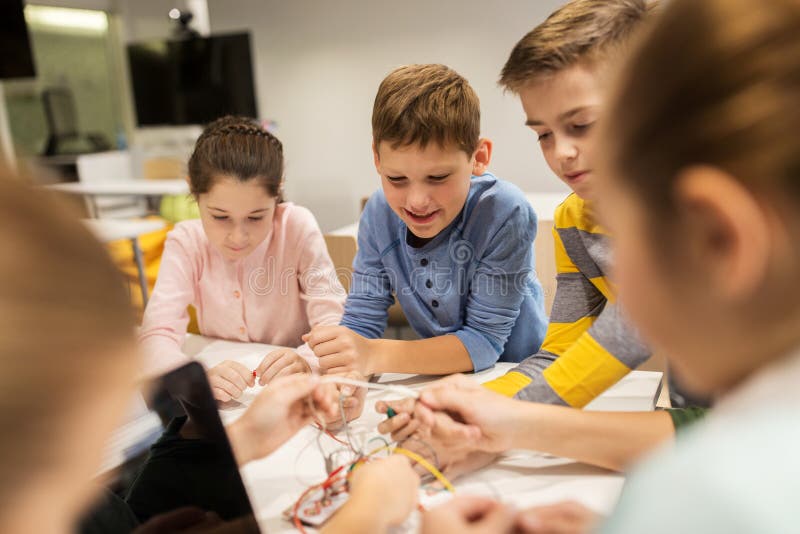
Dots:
(65, 317)
(714, 83)
(426, 103)
(238, 147)
(581, 30)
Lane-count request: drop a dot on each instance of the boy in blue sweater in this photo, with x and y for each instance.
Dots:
(451, 241)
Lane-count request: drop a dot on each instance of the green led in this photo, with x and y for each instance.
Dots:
(390, 413)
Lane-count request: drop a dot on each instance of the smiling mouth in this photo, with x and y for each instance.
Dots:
(236, 249)
(421, 218)
(576, 176)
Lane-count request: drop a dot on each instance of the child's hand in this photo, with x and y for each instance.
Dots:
(353, 401)
(469, 514)
(418, 429)
(403, 425)
(339, 349)
(277, 413)
(280, 362)
(561, 518)
(382, 494)
(477, 415)
(229, 380)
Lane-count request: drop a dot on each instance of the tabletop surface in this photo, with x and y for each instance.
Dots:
(522, 478)
(112, 229)
(175, 186)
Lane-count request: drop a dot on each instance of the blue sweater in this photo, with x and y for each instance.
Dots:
(476, 279)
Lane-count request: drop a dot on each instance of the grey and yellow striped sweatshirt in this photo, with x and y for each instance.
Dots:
(589, 345)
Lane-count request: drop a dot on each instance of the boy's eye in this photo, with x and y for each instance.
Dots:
(543, 136)
(395, 179)
(439, 178)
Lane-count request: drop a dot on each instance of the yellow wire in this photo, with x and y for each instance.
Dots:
(421, 461)
(424, 463)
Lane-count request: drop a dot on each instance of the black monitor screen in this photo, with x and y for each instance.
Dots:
(192, 81)
(171, 464)
(16, 57)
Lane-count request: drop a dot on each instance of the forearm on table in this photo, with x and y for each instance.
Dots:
(439, 355)
(608, 439)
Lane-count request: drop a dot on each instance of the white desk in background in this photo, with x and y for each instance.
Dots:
(123, 188)
(107, 230)
(523, 478)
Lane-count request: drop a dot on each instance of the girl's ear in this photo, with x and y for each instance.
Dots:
(482, 157)
(727, 231)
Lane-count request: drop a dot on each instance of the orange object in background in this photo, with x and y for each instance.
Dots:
(152, 245)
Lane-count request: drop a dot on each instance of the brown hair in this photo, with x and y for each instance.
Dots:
(240, 148)
(64, 315)
(579, 31)
(426, 103)
(714, 83)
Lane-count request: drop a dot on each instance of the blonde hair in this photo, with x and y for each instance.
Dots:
(420, 104)
(580, 31)
(62, 307)
(714, 83)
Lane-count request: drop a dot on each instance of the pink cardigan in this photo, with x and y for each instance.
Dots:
(287, 285)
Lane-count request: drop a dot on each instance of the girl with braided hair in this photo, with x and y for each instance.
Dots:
(254, 267)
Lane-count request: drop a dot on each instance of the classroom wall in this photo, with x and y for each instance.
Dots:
(318, 65)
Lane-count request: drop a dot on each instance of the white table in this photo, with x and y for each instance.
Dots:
(114, 229)
(520, 477)
(124, 188)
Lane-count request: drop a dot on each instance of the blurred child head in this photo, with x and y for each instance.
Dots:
(701, 186)
(66, 358)
(236, 174)
(426, 143)
(559, 71)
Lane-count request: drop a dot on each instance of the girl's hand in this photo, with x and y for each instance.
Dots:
(339, 349)
(229, 380)
(280, 362)
(277, 413)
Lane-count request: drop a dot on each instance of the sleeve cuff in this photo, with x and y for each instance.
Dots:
(305, 352)
(509, 384)
(481, 351)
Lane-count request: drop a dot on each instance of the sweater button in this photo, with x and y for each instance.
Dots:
(242, 330)
(424, 262)
(428, 284)
(237, 294)
(435, 303)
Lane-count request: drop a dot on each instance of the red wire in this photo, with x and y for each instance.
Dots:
(326, 484)
(333, 436)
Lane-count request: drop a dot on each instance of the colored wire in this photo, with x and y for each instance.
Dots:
(426, 464)
(427, 445)
(324, 485)
(358, 451)
(423, 462)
